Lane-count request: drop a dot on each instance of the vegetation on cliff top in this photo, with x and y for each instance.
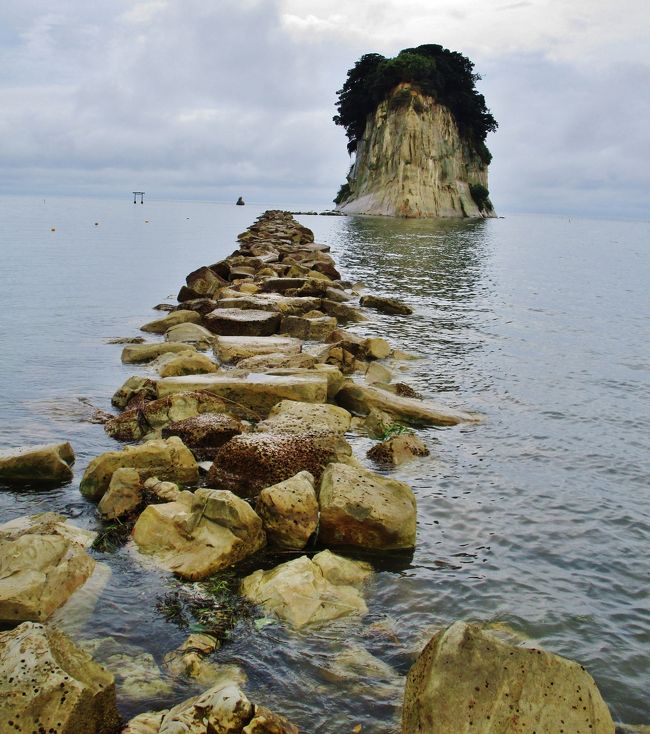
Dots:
(445, 75)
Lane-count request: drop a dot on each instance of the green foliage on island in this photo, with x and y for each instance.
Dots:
(343, 194)
(481, 196)
(445, 75)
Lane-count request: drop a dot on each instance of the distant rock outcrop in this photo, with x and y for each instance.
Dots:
(413, 162)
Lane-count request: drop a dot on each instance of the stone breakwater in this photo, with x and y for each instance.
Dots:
(236, 427)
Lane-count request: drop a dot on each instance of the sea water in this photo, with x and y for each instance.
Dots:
(535, 521)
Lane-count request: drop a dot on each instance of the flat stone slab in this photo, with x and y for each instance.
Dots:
(234, 348)
(242, 322)
(160, 326)
(137, 353)
(257, 392)
(361, 400)
(286, 305)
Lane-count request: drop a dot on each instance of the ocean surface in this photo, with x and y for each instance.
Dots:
(535, 521)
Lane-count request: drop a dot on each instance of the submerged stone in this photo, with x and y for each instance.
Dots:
(305, 592)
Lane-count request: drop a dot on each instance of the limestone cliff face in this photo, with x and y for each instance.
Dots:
(412, 162)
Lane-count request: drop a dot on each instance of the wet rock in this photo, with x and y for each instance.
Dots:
(189, 333)
(204, 434)
(309, 328)
(185, 364)
(376, 372)
(164, 307)
(160, 326)
(398, 449)
(223, 709)
(126, 340)
(342, 311)
(290, 416)
(363, 509)
(361, 400)
(135, 423)
(250, 462)
(252, 395)
(200, 533)
(330, 372)
(242, 322)
(376, 348)
(137, 353)
(47, 464)
(305, 592)
(467, 678)
(200, 305)
(386, 305)
(134, 387)
(42, 562)
(156, 491)
(235, 348)
(124, 494)
(48, 684)
(188, 661)
(167, 459)
(204, 282)
(276, 360)
(285, 305)
(289, 511)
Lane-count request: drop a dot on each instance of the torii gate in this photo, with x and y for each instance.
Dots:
(135, 197)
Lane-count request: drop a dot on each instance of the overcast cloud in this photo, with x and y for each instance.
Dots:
(197, 99)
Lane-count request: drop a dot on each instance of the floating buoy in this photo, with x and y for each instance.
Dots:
(52, 230)
(96, 223)
(146, 221)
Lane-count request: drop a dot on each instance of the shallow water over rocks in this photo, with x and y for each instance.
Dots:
(536, 520)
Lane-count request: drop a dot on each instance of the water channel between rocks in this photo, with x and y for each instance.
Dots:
(535, 520)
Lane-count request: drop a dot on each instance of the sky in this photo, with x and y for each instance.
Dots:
(200, 99)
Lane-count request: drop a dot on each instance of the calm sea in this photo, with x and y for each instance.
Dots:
(536, 521)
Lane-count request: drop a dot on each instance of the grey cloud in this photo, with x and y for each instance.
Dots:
(204, 99)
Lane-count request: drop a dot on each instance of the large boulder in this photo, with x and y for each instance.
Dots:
(291, 416)
(361, 400)
(333, 375)
(252, 461)
(48, 684)
(254, 394)
(199, 533)
(160, 326)
(242, 322)
(169, 460)
(137, 353)
(137, 422)
(204, 434)
(305, 592)
(235, 348)
(289, 511)
(467, 680)
(204, 281)
(364, 509)
(47, 464)
(43, 560)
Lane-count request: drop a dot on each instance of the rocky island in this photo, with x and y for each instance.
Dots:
(417, 126)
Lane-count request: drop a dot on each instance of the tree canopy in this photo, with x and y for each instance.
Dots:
(445, 75)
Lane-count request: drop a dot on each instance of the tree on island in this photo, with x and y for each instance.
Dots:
(445, 75)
